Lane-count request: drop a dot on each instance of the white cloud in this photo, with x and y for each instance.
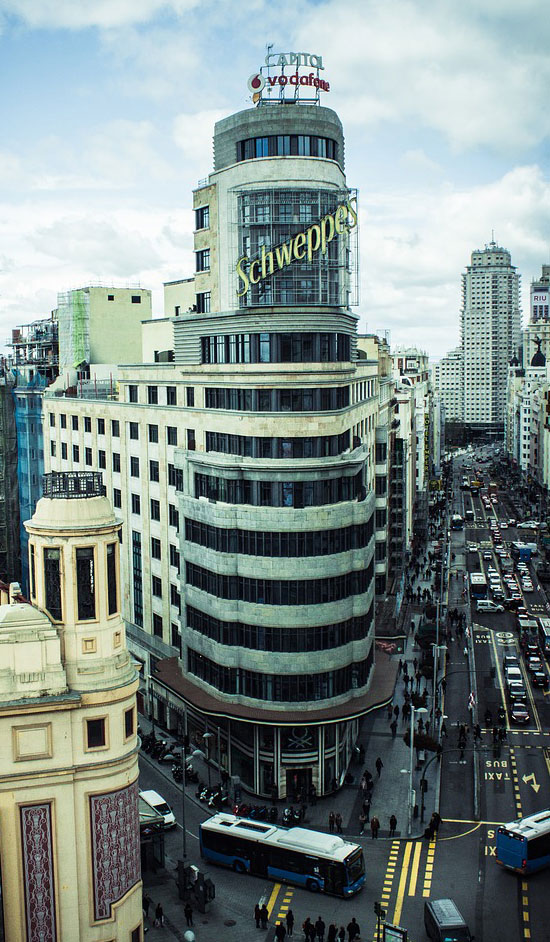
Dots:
(193, 134)
(78, 14)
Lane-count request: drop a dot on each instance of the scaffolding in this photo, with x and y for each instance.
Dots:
(73, 315)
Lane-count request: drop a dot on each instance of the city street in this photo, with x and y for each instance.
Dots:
(482, 785)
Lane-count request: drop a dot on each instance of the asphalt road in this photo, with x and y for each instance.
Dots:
(498, 905)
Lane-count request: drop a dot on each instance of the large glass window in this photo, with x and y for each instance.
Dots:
(282, 145)
(112, 594)
(52, 581)
(292, 347)
(85, 582)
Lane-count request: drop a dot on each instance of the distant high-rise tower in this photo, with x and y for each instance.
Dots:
(490, 325)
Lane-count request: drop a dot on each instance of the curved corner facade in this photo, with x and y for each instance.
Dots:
(277, 503)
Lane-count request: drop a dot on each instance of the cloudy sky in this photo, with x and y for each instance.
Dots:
(108, 109)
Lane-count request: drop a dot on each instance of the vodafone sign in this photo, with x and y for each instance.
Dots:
(259, 81)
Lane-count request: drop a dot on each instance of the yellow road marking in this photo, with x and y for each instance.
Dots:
(455, 837)
(402, 883)
(273, 897)
(414, 869)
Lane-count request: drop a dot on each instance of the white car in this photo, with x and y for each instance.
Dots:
(485, 605)
(159, 807)
(528, 525)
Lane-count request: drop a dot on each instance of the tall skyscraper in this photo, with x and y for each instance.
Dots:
(490, 325)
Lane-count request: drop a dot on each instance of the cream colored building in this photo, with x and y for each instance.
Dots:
(69, 824)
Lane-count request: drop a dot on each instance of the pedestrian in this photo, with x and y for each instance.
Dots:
(393, 727)
(477, 732)
(146, 902)
(353, 929)
(390, 711)
(305, 928)
(374, 827)
(257, 915)
(331, 822)
(415, 664)
(159, 917)
(280, 932)
(332, 930)
(393, 825)
(435, 821)
(466, 651)
(366, 809)
(405, 669)
(188, 913)
(379, 766)
(289, 923)
(406, 679)
(362, 822)
(264, 916)
(399, 667)
(396, 711)
(338, 822)
(320, 929)
(341, 934)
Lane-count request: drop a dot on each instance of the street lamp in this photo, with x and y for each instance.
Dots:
(208, 736)
(196, 752)
(418, 710)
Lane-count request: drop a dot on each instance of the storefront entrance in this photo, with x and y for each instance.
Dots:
(298, 782)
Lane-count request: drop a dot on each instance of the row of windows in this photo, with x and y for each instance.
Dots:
(97, 733)
(280, 591)
(278, 400)
(279, 638)
(285, 145)
(283, 544)
(100, 424)
(250, 446)
(85, 562)
(153, 395)
(282, 688)
(276, 348)
(261, 493)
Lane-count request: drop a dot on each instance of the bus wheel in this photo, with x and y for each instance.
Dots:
(312, 886)
(238, 866)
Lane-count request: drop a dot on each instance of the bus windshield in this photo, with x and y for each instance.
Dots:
(355, 866)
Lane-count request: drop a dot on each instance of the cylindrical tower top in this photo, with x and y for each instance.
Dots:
(278, 130)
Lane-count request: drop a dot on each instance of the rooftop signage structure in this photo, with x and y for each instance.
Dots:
(305, 86)
(300, 247)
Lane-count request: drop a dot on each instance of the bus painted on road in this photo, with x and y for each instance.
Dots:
(524, 845)
(544, 636)
(478, 585)
(319, 862)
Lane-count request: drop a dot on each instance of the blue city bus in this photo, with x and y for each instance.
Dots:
(457, 522)
(524, 845)
(319, 862)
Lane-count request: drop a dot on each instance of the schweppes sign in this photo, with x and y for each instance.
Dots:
(301, 247)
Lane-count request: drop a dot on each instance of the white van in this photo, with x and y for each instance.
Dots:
(160, 807)
(485, 605)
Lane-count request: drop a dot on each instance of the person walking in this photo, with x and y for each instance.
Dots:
(264, 916)
(305, 928)
(396, 711)
(257, 915)
(393, 727)
(280, 932)
(146, 902)
(320, 929)
(289, 923)
(353, 929)
(399, 667)
(338, 822)
(332, 930)
(331, 820)
(159, 917)
(374, 827)
(341, 934)
(362, 822)
(188, 913)
(393, 825)
(366, 809)
(379, 766)
(390, 711)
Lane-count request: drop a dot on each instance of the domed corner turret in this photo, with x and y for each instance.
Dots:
(538, 359)
(30, 654)
(74, 570)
